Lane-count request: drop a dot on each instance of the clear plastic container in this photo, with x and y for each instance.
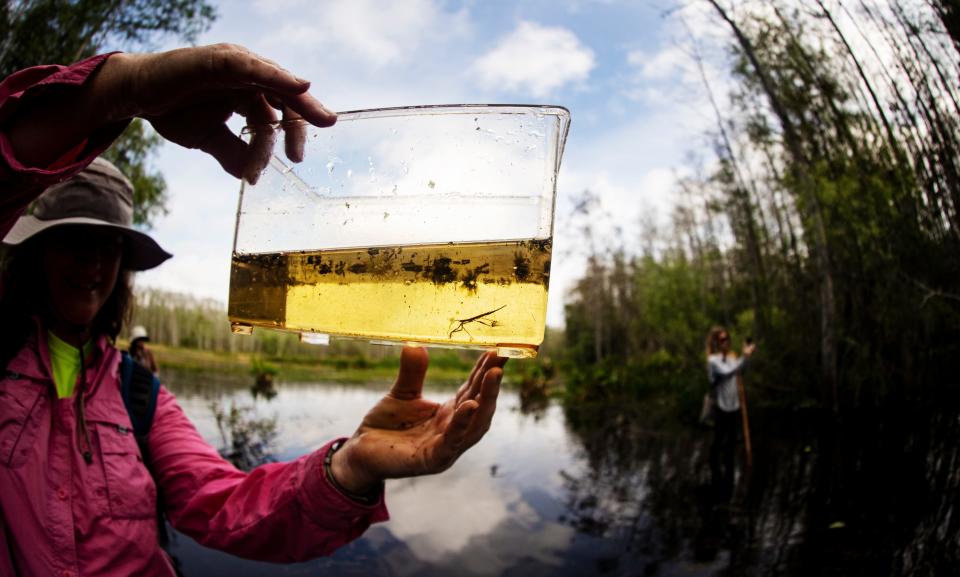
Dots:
(430, 225)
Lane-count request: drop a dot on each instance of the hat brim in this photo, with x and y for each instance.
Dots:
(142, 252)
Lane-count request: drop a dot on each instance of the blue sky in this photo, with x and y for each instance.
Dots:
(636, 104)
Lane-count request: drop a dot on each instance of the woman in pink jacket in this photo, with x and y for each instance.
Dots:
(76, 498)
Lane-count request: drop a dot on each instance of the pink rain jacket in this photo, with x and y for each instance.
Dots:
(60, 516)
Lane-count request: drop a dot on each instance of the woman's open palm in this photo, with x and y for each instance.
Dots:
(406, 435)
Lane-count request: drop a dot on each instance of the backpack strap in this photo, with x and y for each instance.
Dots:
(139, 388)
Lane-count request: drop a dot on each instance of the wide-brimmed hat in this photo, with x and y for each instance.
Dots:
(100, 195)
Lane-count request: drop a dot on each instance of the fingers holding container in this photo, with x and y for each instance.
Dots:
(189, 94)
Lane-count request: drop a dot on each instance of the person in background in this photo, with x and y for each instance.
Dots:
(723, 367)
(139, 351)
(78, 497)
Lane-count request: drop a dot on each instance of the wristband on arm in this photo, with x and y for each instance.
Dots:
(371, 497)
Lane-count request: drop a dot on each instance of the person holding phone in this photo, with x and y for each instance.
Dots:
(723, 367)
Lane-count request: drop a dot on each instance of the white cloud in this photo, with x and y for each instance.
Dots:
(702, 21)
(663, 64)
(668, 76)
(624, 198)
(377, 32)
(416, 525)
(535, 59)
(268, 7)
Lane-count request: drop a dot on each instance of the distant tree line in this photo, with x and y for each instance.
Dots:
(828, 226)
(183, 320)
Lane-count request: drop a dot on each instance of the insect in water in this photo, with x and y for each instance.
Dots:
(479, 319)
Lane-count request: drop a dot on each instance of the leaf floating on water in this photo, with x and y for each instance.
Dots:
(837, 525)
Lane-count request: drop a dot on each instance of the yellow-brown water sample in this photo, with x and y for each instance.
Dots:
(472, 294)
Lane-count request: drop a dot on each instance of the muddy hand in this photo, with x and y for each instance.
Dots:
(405, 435)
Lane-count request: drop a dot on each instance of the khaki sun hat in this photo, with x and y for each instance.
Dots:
(100, 195)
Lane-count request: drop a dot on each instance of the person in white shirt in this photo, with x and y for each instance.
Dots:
(723, 366)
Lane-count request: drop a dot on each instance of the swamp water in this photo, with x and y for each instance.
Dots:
(556, 492)
(469, 294)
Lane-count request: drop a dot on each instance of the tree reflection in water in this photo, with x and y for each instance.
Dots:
(247, 440)
(263, 386)
(536, 382)
(534, 402)
(872, 496)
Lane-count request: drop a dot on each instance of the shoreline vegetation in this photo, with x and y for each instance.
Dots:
(445, 369)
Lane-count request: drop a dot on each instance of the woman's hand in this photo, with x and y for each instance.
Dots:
(405, 435)
(187, 95)
(749, 349)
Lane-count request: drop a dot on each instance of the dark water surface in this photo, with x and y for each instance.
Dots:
(553, 492)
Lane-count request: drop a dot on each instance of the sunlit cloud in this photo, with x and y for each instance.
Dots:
(671, 75)
(376, 32)
(536, 60)
(268, 7)
(476, 516)
(660, 65)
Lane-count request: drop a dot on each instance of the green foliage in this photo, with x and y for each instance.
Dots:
(260, 367)
(65, 31)
(538, 374)
(452, 360)
(844, 217)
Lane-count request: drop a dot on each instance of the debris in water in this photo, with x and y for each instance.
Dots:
(479, 319)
